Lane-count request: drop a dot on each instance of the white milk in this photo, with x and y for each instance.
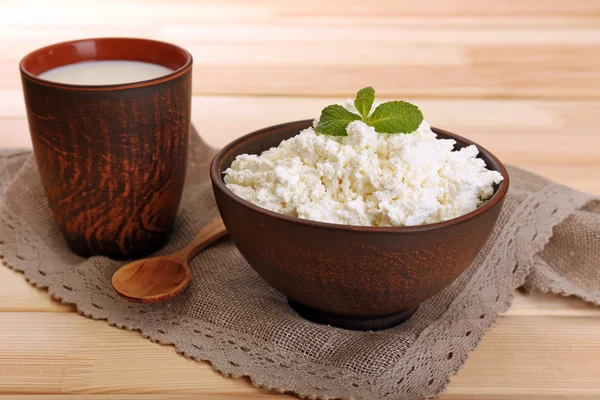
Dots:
(105, 72)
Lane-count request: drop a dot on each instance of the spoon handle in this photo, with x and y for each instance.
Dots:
(214, 230)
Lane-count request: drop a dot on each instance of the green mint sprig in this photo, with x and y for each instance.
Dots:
(390, 117)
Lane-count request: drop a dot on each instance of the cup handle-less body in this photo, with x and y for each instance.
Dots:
(112, 159)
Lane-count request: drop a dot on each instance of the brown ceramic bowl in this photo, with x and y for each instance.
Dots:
(354, 277)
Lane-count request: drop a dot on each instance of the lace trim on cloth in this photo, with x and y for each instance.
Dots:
(234, 320)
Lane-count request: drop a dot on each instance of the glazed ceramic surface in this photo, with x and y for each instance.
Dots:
(112, 158)
(351, 276)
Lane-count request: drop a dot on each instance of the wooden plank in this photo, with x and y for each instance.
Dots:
(229, 396)
(548, 305)
(56, 353)
(416, 70)
(528, 133)
(507, 118)
(183, 10)
(52, 353)
(524, 355)
(570, 396)
(162, 396)
(18, 295)
(14, 133)
(313, 48)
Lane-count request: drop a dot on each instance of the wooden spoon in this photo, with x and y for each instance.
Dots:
(160, 278)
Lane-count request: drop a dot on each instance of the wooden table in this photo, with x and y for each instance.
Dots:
(520, 77)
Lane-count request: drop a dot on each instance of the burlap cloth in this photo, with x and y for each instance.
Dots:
(547, 238)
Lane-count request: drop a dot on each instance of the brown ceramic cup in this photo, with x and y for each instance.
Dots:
(112, 158)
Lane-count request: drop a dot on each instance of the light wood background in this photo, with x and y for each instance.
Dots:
(521, 77)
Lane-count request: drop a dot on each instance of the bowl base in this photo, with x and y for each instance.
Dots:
(349, 322)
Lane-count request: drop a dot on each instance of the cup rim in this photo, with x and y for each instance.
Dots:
(216, 176)
(117, 86)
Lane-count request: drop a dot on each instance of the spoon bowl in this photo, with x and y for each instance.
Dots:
(150, 280)
(157, 279)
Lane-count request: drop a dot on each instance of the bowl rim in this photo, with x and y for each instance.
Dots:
(217, 180)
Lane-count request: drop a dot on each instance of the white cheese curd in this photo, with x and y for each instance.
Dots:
(365, 178)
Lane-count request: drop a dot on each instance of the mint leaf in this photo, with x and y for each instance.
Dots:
(364, 101)
(395, 117)
(334, 120)
(390, 117)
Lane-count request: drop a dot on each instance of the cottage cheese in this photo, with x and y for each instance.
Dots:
(365, 178)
